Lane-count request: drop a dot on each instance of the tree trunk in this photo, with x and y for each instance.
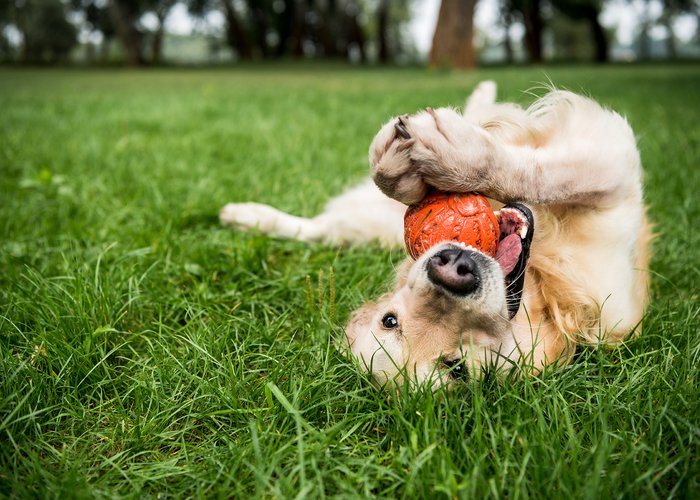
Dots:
(162, 13)
(453, 41)
(644, 38)
(666, 21)
(157, 45)
(125, 26)
(299, 29)
(507, 44)
(235, 36)
(599, 38)
(20, 23)
(532, 14)
(326, 11)
(25, 52)
(355, 35)
(645, 41)
(260, 23)
(90, 53)
(104, 49)
(382, 26)
(285, 24)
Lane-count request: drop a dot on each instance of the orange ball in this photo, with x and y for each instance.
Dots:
(466, 218)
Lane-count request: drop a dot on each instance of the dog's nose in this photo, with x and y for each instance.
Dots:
(454, 270)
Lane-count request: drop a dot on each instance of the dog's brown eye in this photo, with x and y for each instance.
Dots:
(457, 369)
(389, 321)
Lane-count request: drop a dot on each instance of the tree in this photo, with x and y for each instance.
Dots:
(508, 17)
(47, 36)
(534, 27)
(6, 49)
(260, 13)
(571, 39)
(391, 16)
(125, 15)
(327, 28)
(236, 36)
(589, 11)
(161, 9)
(298, 27)
(453, 41)
(530, 12)
(382, 28)
(355, 35)
(312, 28)
(96, 18)
(267, 28)
(671, 10)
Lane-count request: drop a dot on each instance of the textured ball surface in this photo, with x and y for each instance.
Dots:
(465, 218)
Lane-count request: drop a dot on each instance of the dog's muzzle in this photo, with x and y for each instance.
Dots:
(454, 270)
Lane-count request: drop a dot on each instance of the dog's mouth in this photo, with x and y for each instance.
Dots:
(517, 227)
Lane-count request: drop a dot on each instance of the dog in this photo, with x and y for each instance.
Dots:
(564, 175)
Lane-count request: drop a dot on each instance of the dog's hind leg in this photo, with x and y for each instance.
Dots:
(269, 220)
(359, 215)
(483, 96)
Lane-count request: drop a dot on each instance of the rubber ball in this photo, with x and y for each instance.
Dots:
(458, 217)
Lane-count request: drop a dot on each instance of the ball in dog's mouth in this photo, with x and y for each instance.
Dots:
(517, 227)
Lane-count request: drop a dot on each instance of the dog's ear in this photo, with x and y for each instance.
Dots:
(483, 95)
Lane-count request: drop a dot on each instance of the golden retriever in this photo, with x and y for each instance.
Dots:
(564, 176)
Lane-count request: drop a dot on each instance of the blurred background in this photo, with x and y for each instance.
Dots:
(441, 33)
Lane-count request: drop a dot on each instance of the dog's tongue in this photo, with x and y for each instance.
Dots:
(509, 249)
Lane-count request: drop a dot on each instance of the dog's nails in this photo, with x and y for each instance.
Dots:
(400, 127)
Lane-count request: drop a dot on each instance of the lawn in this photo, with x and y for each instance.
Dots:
(146, 351)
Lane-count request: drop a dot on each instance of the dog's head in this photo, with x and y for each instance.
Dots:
(449, 311)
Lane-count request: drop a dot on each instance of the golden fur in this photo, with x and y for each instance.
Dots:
(572, 162)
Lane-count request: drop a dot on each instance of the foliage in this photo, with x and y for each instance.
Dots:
(330, 29)
(589, 11)
(531, 12)
(146, 351)
(47, 36)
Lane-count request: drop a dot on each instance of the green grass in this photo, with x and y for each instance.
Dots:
(146, 351)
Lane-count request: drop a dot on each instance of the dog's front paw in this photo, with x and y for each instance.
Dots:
(392, 168)
(433, 148)
(249, 216)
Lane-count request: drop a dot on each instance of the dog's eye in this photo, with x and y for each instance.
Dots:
(389, 321)
(456, 368)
